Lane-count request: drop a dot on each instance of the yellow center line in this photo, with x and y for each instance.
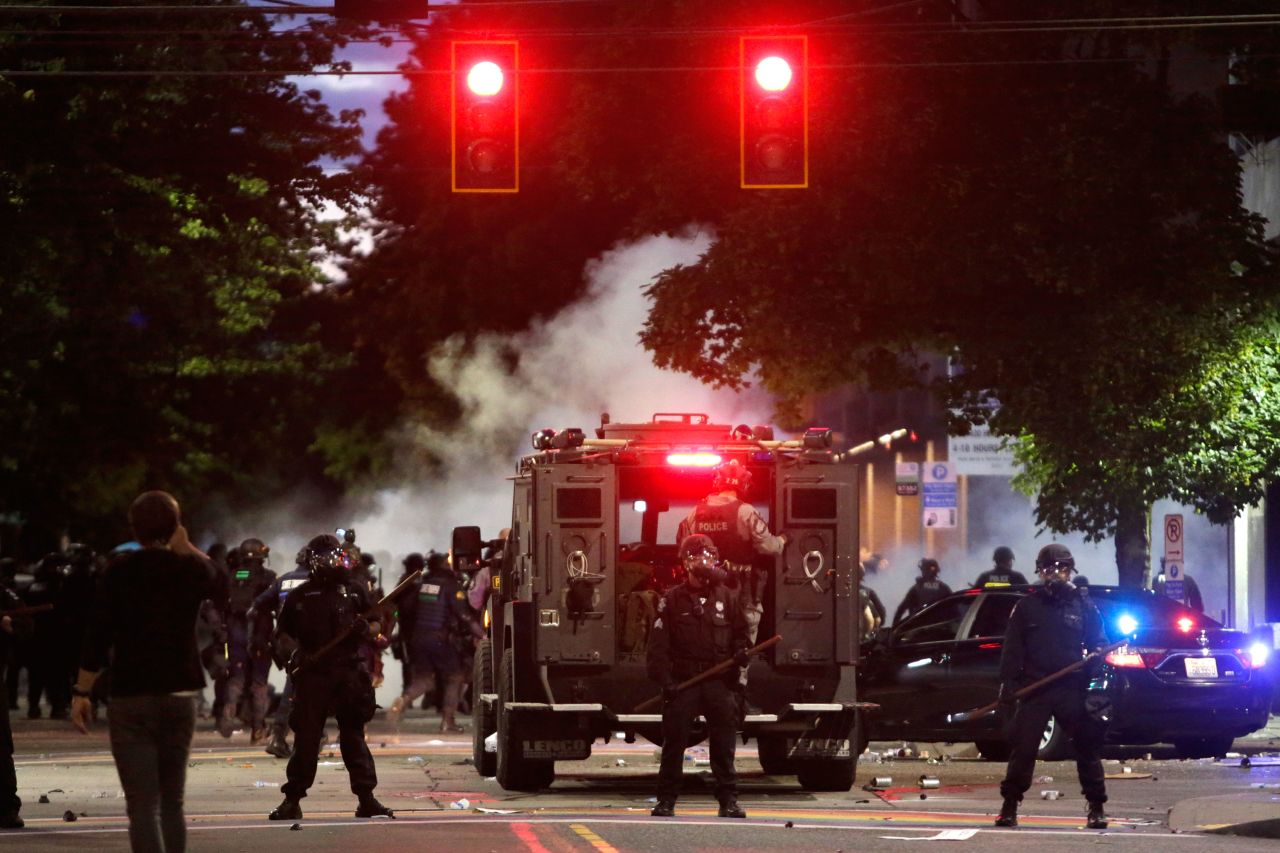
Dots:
(595, 840)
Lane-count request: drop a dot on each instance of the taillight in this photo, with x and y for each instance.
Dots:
(1131, 658)
(1185, 624)
(694, 460)
(1125, 659)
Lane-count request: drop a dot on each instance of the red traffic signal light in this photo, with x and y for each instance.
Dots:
(485, 117)
(774, 114)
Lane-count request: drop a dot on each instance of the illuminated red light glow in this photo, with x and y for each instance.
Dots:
(690, 459)
(485, 79)
(773, 74)
(1185, 624)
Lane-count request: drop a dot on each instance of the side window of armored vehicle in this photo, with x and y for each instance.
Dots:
(993, 616)
(935, 624)
(812, 506)
(578, 505)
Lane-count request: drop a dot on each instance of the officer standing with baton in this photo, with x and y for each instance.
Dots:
(1049, 630)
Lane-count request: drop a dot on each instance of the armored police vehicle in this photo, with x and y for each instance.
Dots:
(590, 552)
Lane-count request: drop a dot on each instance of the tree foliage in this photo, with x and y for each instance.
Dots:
(160, 231)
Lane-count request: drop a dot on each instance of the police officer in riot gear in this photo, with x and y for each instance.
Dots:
(426, 614)
(326, 606)
(699, 624)
(739, 533)
(926, 590)
(266, 606)
(1050, 629)
(249, 654)
(1002, 573)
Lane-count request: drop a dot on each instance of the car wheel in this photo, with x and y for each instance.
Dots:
(1209, 747)
(832, 774)
(772, 750)
(515, 772)
(484, 716)
(993, 750)
(1054, 743)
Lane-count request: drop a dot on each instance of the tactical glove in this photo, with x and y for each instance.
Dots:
(742, 657)
(669, 692)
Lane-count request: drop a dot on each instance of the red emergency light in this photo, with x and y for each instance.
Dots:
(694, 460)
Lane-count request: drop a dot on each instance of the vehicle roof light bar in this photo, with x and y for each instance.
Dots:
(699, 459)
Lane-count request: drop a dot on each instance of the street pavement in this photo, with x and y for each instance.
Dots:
(602, 804)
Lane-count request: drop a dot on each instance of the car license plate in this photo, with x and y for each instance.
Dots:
(1202, 667)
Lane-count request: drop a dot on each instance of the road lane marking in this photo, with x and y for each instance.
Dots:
(596, 841)
(31, 833)
(524, 832)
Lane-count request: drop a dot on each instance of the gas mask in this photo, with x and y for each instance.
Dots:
(704, 565)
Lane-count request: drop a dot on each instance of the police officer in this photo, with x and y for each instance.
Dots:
(314, 613)
(926, 590)
(739, 533)
(427, 614)
(1050, 629)
(400, 640)
(266, 606)
(699, 624)
(870, 608)
(249, 655)
(1002, 573)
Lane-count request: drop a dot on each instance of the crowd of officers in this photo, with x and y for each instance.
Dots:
(327, 622)
(237, 632)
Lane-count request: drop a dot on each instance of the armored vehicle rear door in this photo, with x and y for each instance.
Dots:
(817, 586)
(574, 530)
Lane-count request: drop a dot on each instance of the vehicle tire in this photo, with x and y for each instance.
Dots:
(484, 715)
(832, 774)
(993, 750)
(773, 755)
(515, 773)
(1209, 747)
(1054, 743)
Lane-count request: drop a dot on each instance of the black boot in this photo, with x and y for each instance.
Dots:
(278, 746)
(664, 808)
(370, 807)
(11, 820)
(729, 808)
(287, 810)
(1097, 817)
(1008, 813)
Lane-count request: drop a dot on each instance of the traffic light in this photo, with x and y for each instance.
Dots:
(485, 117)
(774, 116)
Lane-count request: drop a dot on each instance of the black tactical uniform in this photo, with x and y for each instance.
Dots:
(319, 610)
(1002, 573)
(926, 591)
(699, 624)
(1050, 629)
(249, 659)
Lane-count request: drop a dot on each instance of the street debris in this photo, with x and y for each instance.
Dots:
(69, 816)
(945, 835)
(929, 782)
(262, 784)
(1050, 795)
(460, 805)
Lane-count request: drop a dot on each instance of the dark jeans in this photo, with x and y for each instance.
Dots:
(715, 700)
(150, 741)
(1066, 703)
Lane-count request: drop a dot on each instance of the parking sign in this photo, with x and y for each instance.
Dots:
(940, 495)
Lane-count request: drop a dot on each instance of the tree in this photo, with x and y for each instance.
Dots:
(157, 312)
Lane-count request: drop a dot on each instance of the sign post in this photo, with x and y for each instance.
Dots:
(1174, 581)
(941, 504)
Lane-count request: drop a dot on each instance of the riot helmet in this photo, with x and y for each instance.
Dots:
(701, 558)
(929, 568)
(1055, 566)
(413, 563)
(1002, 556)
(437, 562)
(326, 559)
(254, 550)
(731, 475)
